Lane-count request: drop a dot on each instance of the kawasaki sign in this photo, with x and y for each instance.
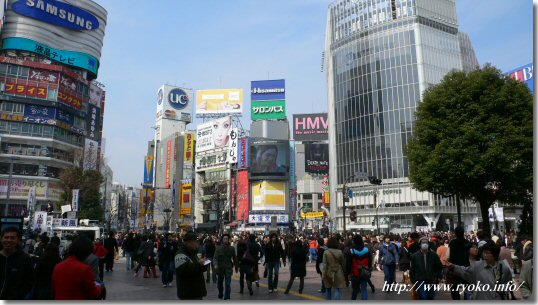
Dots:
(268, 110)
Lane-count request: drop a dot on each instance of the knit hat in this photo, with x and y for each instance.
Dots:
(425, 239)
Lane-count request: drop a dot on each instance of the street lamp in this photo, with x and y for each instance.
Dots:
(375, 181)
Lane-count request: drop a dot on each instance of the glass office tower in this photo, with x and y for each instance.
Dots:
(381, 56)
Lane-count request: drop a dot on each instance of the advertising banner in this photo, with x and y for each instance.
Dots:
(96, 95)
(214, 134)
(186, 199)
(31, 199)
(312, 214)
(168, 163)
(232, 146)
(148, 170)
(93, 125)
(188, 154)
(265, 218)
(91, 157)
(317, 158)
(210, 160)
(268, 110)
(174, 103)
(243, 195)
(50, 77)
(21, 187)
(525, 75)
(242, 161)
(40, 221)
(268, 158)
(267, 90)
(71, 58)
(39, 115)
(141, 210)
(310, 127)
(219, 101)
(75, 200)
(269, 196)
(26, 90)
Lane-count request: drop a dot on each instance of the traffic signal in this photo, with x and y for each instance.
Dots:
(353, 215)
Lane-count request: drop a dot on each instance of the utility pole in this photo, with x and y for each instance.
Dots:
(375, 181)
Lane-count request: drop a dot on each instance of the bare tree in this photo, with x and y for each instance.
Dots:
(165, 206)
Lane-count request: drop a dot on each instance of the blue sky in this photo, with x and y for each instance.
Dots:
(213, 44)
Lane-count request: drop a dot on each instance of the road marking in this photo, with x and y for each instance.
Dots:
(301, 295)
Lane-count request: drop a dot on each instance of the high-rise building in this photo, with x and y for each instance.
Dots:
(51, 108)
(381, 56)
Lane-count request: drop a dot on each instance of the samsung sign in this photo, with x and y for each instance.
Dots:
(57, 13)
(178, 98)
(268, 90)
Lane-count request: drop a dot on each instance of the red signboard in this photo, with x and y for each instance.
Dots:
(168, 161)
(243, 195)
(70, 99)
(44, 76)
(26, 90)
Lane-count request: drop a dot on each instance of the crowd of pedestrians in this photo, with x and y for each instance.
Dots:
(36, 269)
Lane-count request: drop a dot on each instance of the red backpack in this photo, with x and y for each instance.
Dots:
(357, 262)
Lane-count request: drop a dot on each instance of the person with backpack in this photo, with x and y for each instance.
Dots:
(389, 259)
(359, 268)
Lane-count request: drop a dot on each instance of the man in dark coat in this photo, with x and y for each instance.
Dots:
(458, 254)
(210, 247)
(299, 255)
(190, 270)
(426, 268)
(112, 246)
(16, 272)
(273, 253)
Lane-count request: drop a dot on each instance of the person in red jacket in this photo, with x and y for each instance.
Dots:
(101, 252)
(74, 280)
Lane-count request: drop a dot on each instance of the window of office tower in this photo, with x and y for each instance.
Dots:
(376, 92)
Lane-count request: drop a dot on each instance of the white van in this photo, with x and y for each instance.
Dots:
(92, 232)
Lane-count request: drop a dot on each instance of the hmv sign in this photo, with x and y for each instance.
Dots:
(310, 127)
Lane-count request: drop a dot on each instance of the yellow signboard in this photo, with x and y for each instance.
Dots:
(269, 196)
(312, 214)
(188, 155)
(185, 200)
(219, 101)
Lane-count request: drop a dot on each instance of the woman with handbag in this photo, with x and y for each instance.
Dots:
(247, 254)
(333, 269)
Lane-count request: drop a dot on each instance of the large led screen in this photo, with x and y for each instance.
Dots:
(268, 159)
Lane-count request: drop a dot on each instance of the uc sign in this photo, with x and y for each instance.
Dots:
(178, 98)
(57, 13)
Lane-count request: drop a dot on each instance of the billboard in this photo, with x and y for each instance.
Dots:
(168, 162)
(91, 157)
(186, 199)
(148, 170)
(52, 25)
(525, 75)
(214, 134)
(243, 195)
(211, 159)
(310, 127)
(96, 95)
(268, 110)
(242, 161)
(268, 90)
(174, 103)
(265, 218)
(232, 146)
(93, 123)
(268, 158)
(316, 158)
(188, 154)
(219, 101)
(268, 196)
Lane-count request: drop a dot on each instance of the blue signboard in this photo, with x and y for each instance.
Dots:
(268, 90)
(525, 75)
(65, 117)
(148, 170)
(178, 98)
(242, 155)
(57, 13)
(39, 115)
(71, 58)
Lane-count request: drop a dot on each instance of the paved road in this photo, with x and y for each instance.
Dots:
(121, 285)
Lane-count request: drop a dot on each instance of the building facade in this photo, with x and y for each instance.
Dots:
(381, 56)
(51, 108)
